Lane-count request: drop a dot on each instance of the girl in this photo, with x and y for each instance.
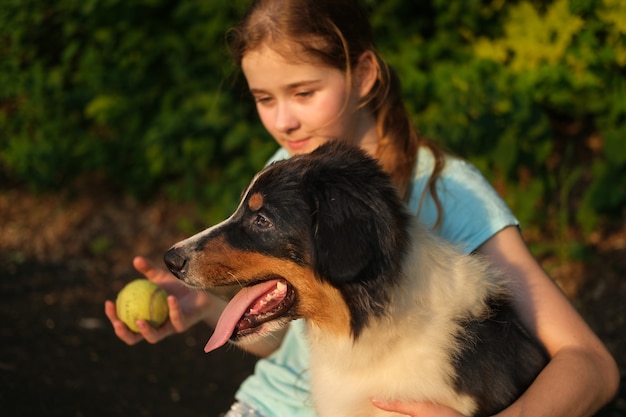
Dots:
(315, 75)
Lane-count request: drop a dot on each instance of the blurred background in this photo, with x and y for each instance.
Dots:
(124, 127)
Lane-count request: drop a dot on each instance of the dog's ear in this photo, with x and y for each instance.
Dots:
(341, 237)
(358, 220)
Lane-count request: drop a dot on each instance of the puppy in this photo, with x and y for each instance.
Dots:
(392, 311)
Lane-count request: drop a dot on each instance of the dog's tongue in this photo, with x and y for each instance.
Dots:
(234, 311)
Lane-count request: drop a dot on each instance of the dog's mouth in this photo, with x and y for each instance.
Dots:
(253, 306)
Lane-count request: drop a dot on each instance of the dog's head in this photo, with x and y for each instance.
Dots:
(318, 236)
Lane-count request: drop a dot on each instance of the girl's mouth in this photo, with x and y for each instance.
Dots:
(299, 144)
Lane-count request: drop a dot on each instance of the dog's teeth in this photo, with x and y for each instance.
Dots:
(279, 291)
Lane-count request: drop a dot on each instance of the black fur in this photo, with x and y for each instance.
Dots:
(499, 361)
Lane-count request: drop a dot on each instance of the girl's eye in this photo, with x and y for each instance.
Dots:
(304, 94)
(262, 222)
(262, 100)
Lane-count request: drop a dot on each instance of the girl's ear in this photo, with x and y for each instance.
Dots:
(366, 73)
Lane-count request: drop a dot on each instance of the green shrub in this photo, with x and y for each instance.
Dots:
(139, 93)
(532, 92)
(142, 95)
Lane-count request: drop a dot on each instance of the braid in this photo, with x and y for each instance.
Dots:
(398, 138)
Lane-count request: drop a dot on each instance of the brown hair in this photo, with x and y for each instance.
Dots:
(336, 33)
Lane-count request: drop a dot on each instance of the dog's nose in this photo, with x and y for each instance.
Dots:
(175, 262)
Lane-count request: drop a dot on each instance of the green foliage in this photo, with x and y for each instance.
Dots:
(532, 92)
(143, 95)
(139, 93)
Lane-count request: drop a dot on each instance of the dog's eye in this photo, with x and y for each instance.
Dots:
(262, 222)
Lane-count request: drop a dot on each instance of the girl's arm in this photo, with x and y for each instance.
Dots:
(581, 376)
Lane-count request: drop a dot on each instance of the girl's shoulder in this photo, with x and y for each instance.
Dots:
(471, 209)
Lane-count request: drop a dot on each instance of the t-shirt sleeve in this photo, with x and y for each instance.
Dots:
(472, 210)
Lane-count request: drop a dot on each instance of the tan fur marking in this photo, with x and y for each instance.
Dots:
(220, 264)
(255, 202)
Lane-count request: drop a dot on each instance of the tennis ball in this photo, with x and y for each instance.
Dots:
(142, 299)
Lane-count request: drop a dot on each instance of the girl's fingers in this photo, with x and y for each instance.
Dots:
(180, 319)
(149, 269)
(152, 335)
(176, 324)
(120, 328)
(160, 276)
(177, 318)
(416, 409)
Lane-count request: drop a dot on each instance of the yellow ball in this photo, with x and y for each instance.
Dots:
(142, 299)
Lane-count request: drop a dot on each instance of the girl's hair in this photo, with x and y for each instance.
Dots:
(336, 33)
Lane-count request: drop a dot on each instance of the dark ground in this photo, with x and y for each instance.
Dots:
(60, 259)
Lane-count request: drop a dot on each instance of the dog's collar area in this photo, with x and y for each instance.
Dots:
(250, 308)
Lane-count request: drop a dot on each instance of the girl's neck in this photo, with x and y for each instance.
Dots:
(366, 133)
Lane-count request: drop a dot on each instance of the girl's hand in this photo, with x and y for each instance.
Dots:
(187, 307)
(416, 409)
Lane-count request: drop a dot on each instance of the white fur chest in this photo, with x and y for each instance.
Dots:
(346, 376)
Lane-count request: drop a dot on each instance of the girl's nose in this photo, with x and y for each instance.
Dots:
(286, 121)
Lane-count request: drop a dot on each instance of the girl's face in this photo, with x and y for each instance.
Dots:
(303, 105)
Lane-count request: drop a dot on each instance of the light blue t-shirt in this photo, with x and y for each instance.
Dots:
(472, 213)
